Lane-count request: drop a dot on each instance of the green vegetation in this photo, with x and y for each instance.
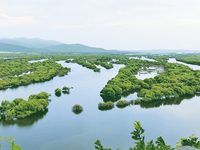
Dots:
(125, 81)
(20, 108)
(158, 145)
(57, 90)
(192, 141)
(86, 64)
(65, 90)
(11, 72)
(77, 109)
(13, 145)
(177, 81)
(190, 59)
(106, 106)
(122, 103)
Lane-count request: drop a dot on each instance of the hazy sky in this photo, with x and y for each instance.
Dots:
(110, 24)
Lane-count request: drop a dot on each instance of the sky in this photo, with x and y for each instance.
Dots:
(109, 24)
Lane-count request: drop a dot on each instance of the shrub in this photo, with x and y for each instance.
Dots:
(122, 103)
(106, 106)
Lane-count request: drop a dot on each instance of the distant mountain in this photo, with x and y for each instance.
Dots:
(30, 43)
(78, 48)
(37, 45)
(13, 48)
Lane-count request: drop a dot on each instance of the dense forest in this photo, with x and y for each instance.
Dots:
(17, 72)
(178, 80)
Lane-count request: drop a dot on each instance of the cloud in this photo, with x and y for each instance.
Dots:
(15, 21)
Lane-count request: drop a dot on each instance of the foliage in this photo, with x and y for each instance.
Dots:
(18, 72)
(122, 103)
(66, 90)
(178, 80)
(106, 106)
(20, 108)
(77, 109)
(192, 141)
(140, 144)
(58, 90)
(98, 146)
(13, 145)
(86, 64)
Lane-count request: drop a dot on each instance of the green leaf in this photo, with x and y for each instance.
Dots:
(16, 147)
(2, 138)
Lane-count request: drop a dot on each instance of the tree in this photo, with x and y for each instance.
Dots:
(57, 90)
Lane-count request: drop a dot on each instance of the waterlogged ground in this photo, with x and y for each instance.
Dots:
(59, 128)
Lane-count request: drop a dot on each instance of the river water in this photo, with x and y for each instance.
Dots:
(59, 128)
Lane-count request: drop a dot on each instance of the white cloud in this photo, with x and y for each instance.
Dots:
(15, 21)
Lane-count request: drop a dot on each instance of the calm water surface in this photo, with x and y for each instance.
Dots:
(59, 128)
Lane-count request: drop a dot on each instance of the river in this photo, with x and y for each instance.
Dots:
(59, 128)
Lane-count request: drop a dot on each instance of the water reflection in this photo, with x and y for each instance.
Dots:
(66, 92)
(149, 72)
(29, 121)
(77, 112)
(142, 58)
(41, 60)
(158, 103)
(58, 94)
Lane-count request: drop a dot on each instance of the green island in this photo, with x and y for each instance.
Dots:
(176, 81)
(11, 72)
(20, 108)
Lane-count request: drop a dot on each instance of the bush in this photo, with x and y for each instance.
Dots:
(137, 101)
(77, 109)
(122, 103)
(106, 106)
(57, 90)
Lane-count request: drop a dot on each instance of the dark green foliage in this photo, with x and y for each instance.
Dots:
(11, 72)
(42, 95)
(137, 101)
(58, 90)
(106, 106)
(86, 64)
(20, 108)
(65, 90)
(77, 109)
(122, 103)
(106, 65)
(192, 141)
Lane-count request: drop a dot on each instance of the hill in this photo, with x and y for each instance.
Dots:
(30, 43)
(78, 48)
(14, 48)
(37, 45)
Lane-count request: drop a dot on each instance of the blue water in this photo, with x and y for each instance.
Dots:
(61, 129)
